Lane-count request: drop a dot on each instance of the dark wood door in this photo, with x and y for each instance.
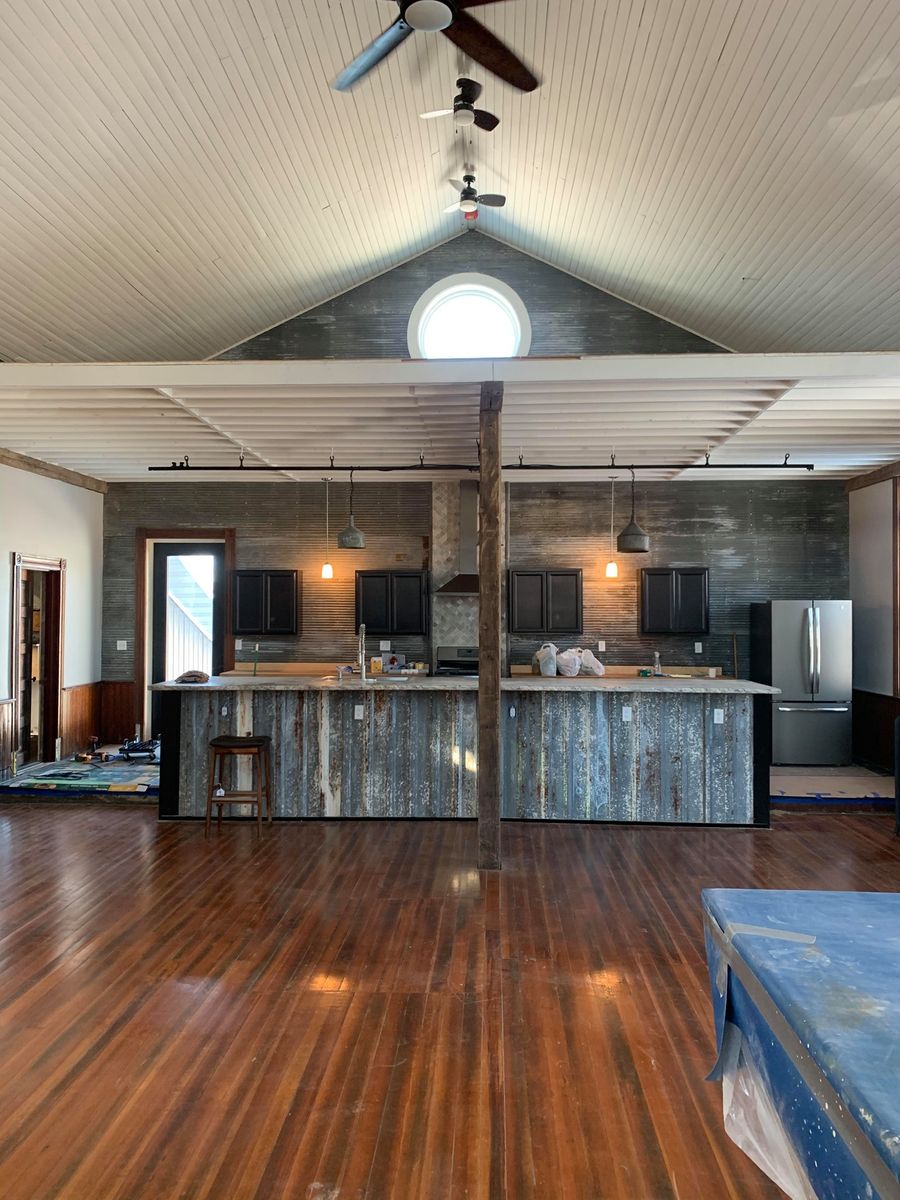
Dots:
(280, 602)
(249, 602)
(564, 608)
(692, 600)
(657, 600)
(409, 602)
(373, 601)
(527, 602)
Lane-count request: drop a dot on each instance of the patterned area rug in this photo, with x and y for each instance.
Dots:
(86, 779)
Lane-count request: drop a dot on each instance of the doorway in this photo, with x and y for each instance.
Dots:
(187, 627)
(36, 658)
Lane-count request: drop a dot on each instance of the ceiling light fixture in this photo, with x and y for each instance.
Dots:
(632, 539)
(428, 16)
(351, 538)
(327, 568)
(612, 568)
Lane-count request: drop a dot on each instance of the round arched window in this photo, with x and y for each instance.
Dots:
(469, 316)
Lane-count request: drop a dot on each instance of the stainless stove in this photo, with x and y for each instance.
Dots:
(458, 661)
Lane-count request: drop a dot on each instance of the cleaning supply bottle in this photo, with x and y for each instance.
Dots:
(657, 665)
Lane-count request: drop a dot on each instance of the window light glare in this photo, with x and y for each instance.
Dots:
(469, 322)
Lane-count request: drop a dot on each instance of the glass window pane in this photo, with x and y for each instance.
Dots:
(189, 613)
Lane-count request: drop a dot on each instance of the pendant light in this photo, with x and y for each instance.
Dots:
(351, 538)
(632, 539)
(612, 568)
(327, 568)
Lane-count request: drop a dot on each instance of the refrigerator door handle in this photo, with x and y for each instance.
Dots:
(810, 651)
(813, 708)
(818, 669)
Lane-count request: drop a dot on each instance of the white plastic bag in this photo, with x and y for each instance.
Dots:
(569, 662)
(544, 660)
(591, 665)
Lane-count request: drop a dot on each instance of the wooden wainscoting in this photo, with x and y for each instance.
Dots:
(7, 736)
(873, 729)
(118, 709)
(79, 717)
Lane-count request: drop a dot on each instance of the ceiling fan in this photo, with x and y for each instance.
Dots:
(450, 18)
(469, 199)
(464, 111)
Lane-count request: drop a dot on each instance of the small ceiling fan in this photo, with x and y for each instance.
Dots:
(450, 18)
(469, 199)
(464, 111)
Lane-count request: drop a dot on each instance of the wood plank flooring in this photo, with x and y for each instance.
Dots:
(350, 1011)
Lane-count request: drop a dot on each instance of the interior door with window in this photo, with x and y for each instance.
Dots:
(188, 615)
(31, 666)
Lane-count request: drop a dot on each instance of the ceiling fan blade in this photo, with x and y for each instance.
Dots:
(457, 185)
(372, 55)
(479, 43)
(473, 3)
(469, 90)
(492, 201)
(452, 207)
(485, 120)
(438, 112)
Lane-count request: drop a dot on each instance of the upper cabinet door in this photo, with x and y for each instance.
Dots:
(249, 601)
(527, 602)
(564, 608)
(373, 601)
(657, 600)
(281, 602)
(409, 602)
(691, 600)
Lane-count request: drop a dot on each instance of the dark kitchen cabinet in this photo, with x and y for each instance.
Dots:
(392, 602)
(266, 602)
(675, 600)
(545, 602)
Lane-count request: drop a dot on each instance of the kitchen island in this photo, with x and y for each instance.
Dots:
(607, 749)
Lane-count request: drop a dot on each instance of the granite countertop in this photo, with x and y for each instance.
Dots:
(518, 683)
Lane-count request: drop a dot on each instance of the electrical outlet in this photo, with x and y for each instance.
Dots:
(718, 716)
(238, 643)
(698, 647)
(224, 710)
(626, 712)
(384, 647)
(359, 712)
(121, 644)
(601, 645)
(512, 710)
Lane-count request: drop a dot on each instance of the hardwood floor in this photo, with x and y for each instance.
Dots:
(349, 1010)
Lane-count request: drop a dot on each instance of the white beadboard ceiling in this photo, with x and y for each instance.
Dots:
(177, 175)
(113, 421)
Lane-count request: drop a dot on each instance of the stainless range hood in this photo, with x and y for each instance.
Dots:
(465, 582)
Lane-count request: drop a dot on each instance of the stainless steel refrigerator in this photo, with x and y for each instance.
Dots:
(805, 648)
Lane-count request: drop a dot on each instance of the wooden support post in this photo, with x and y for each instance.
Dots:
(489, 628)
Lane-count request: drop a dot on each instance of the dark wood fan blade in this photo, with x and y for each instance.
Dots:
(485, 120)
(473, 3)
(479, 43)
(492, 201)
(372, 55)
(469, 90)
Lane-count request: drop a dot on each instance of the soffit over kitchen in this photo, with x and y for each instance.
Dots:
(113, 421)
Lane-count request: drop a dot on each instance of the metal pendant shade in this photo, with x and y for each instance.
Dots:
(351, 538)
(632, 539)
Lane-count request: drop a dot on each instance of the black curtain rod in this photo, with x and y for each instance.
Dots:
(517, 466)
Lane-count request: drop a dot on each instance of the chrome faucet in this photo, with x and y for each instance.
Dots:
(361, 652)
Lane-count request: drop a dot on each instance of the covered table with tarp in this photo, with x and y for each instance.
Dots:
(806, 999)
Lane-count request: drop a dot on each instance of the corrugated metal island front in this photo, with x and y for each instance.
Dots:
(657, 750)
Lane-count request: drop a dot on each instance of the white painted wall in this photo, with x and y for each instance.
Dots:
(46, 518)
(871, 587)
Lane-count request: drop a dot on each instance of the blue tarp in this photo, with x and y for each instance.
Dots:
(814, 988)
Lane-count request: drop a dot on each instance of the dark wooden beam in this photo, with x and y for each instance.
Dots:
(879, 475)
(34, 466)
(490, 571)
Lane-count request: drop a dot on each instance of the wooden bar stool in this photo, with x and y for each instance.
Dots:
(259, 750)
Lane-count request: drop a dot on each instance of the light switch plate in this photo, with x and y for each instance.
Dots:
(224, 710)
(718, 716)
(601, 645)
(238, 643)
(121, 644)
(384, 647)
(626, 712)
(359, 712)
(698, 647)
